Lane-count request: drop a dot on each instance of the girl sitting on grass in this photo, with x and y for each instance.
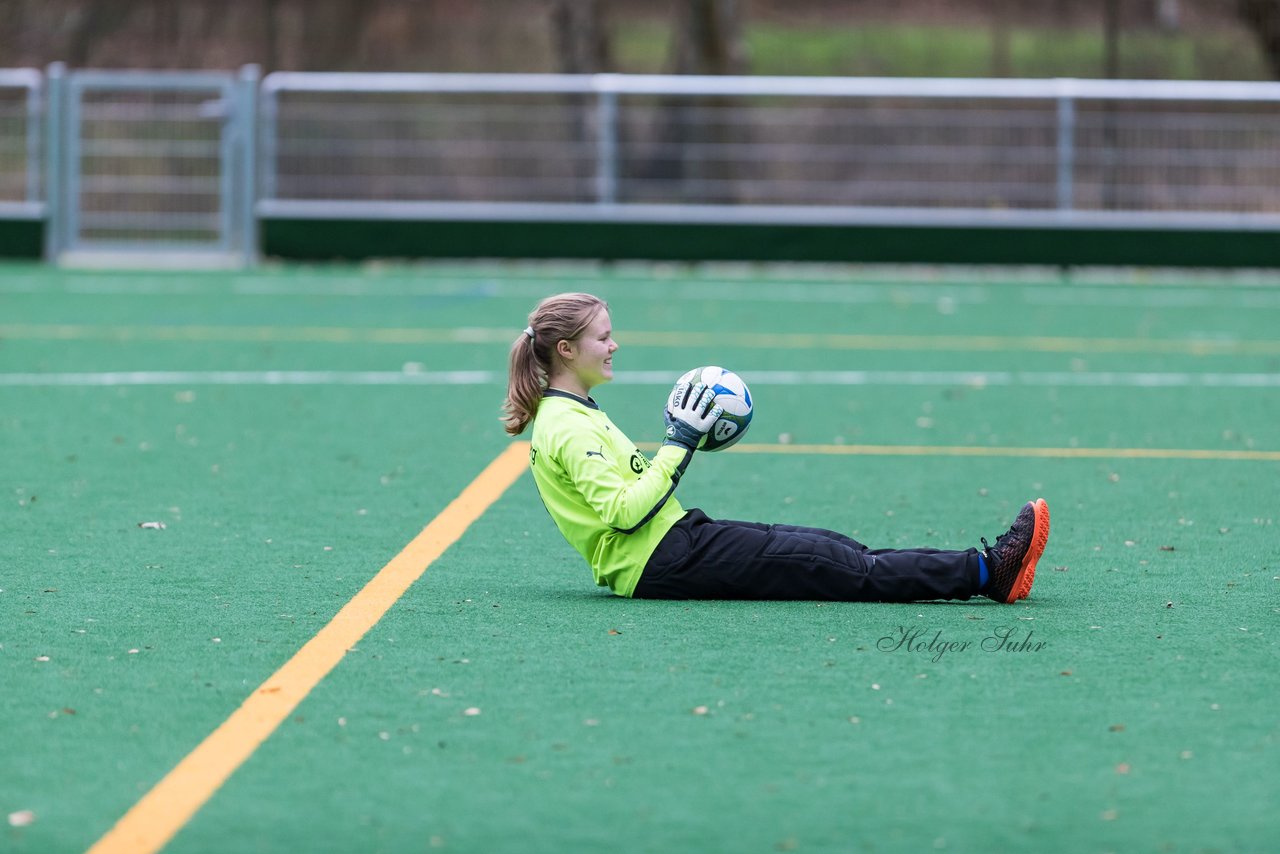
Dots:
(618, 509)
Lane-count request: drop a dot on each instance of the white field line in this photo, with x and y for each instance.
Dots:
(970, 379)
(250, 378)
(1194, 346)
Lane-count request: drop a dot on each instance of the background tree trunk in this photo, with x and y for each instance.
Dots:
(1110, 134)
(707, 38)
(270, 30)
(580, 38)
(12, 26)
(1263, 18)
(1001, 38)
(332, 31)
(1111, 39)
(89, 23)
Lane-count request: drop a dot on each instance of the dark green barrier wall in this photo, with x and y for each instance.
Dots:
(353, 239)
(21, 238)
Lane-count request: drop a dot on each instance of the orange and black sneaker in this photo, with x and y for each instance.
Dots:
(1011, 562)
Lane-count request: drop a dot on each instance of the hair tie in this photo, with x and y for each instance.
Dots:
(528, 330)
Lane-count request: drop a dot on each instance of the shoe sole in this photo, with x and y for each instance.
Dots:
(1039, 539)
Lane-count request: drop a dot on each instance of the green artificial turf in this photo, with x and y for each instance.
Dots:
(1136, 712)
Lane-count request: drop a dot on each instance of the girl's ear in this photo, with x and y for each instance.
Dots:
(564, 349)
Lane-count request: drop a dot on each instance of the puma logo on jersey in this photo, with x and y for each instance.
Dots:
(599, 453)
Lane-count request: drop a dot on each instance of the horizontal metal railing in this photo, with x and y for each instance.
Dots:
(864, 87)
(745, 149)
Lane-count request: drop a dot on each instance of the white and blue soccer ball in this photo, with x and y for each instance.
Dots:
(733, 397)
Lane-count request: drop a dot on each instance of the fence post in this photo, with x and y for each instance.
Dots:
(269, 104)
(35, 95)
(1066, 151)
(246, 111)
(606, 142)
(54, 192)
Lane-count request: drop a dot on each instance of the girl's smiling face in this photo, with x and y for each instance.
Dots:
(590, 357)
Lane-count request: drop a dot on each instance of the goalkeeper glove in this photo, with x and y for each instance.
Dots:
(690, 413)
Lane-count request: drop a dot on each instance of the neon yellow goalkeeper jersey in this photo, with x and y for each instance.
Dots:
(609, 501)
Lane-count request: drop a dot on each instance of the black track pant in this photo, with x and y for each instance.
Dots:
(703, 558)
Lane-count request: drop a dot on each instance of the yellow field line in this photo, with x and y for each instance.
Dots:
(165, 809)
(761, 341)
(985, 451)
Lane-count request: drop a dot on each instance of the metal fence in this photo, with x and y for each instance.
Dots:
(898, 148)
(151, 161)
(21, 107)
(167, 159)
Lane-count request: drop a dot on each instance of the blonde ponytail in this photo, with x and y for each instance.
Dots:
(562, 317)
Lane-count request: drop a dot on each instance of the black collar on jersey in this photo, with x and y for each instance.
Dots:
(585, 401)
